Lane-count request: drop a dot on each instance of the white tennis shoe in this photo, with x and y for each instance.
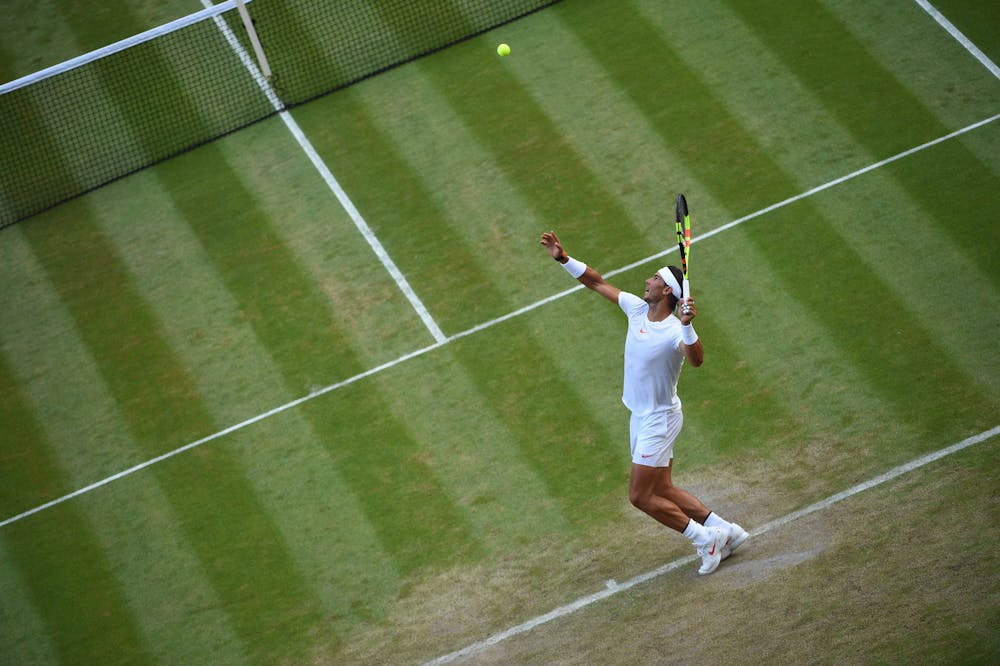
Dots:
(711, 552)
(734, 539)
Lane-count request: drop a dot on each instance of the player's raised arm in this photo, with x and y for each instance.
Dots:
(691, 346)
(587, 276)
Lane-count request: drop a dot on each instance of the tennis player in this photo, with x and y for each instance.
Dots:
(656, 346)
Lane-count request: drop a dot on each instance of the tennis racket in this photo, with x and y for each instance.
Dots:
(683, 227)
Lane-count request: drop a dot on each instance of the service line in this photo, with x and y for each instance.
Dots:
(480, 327)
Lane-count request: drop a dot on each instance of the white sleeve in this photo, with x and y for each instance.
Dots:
(630, 303)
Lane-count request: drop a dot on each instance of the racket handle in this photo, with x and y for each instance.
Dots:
(686, 289)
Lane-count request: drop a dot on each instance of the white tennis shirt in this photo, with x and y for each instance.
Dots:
(653, 359)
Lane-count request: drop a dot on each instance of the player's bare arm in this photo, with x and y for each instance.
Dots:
(693, 353)
(590, 277)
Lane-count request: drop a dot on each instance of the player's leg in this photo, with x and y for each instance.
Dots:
(697, 511)
(652, 439)
(652, 449)
(685, 501)
(642, 493)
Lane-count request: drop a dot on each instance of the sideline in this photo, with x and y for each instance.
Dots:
(481, 327)
(612, 587)
(328, 177)
(959, 37)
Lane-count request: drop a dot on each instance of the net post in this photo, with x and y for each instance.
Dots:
(258, 50)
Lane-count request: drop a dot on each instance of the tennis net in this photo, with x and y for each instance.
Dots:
(74, 127)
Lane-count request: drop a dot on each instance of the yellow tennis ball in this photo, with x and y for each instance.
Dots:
(503, 50)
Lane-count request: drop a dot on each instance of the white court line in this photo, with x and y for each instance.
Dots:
(328, 178)
(479, 327)
(734, 223)
(118, 47)
(962, 39)
(612, 587)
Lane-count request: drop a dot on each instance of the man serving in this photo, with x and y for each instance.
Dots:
(656, 345)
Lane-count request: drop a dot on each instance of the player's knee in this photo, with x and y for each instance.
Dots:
(638, 498)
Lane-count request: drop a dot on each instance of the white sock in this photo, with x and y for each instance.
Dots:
(714, 520)
(696, 532)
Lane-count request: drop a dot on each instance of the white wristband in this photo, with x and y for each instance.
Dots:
(688, 335)
(575, 267)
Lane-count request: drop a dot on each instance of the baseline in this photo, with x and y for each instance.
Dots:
(612, 587)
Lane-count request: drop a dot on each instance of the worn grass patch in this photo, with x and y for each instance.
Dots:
(902, 573)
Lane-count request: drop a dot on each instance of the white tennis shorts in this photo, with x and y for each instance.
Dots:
(652, 437)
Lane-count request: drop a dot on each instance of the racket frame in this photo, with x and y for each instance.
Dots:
(682, 225)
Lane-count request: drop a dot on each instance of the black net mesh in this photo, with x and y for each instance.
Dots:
(87, 125)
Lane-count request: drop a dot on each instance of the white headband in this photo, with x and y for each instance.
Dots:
(667, 276)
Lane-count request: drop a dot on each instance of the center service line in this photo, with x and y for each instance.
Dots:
(612, 588)
(479, 327)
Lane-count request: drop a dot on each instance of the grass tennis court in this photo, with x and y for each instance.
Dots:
(429, 494)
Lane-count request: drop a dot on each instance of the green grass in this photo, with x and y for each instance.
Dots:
(977, 21)
(482, 482)
(838, 587)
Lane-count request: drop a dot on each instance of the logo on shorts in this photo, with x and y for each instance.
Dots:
(648, 455)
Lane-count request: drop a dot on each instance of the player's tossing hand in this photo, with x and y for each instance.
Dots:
(552, 244)
(688, 311)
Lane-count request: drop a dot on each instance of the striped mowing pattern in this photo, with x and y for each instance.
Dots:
(217, 286)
